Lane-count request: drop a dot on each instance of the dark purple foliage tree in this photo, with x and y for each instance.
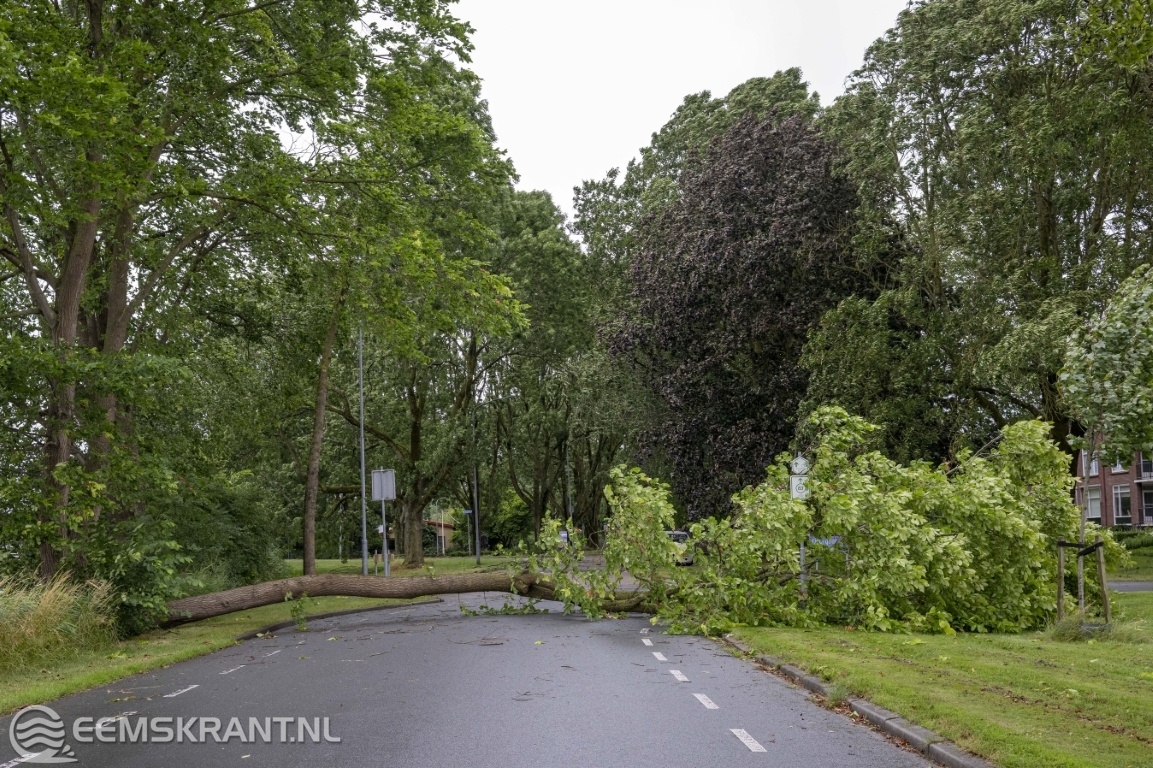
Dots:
(726, 284)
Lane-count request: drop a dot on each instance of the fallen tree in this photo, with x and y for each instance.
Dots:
(525, 584)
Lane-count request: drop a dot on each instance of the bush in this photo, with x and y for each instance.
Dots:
(224, 528)
(888, 547)
(41, 623)
(1132, 540)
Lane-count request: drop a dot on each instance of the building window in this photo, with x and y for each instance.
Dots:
(1122, 506)
(1093, 508)
(1094, 464)
(1119, 468)
(1147, 506)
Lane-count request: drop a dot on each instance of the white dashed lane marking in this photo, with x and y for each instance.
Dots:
(748, 740)
(273, 653)
(660, 656)
(645, 631)
(230, 671)
(706, 701)
(679, 675)
(182, 690)
(646, 641)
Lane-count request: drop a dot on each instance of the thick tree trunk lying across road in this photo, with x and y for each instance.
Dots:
(242, 598)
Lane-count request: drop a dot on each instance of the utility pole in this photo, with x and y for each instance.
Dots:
(363, 494)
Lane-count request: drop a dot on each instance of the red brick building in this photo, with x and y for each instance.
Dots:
(1121, 494)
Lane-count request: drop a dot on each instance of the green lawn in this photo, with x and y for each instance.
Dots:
(152, 650)
(433, 565)
(1023, 701)
(1141, 570)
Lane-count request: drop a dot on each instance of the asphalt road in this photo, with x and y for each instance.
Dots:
(428, 686)
(1131, 586)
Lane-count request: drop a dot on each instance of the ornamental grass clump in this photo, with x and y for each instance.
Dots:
(44, 622)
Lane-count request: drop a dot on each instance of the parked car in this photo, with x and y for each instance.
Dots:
(684, 554)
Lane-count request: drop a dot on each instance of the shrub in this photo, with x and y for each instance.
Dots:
(888, 547)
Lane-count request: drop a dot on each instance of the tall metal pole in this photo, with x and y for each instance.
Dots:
(363, 494)
(475, 489)
(568, 481)
(384, 536)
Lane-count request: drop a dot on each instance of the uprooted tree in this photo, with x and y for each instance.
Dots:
(889, 547)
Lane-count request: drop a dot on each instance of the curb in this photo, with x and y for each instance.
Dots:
(929, 744)
(331, 614)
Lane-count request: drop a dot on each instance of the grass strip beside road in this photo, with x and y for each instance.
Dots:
(1022, 701)
(1140, 570)
(160, 648)
(433, 566)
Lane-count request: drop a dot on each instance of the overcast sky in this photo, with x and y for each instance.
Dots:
(576, 88)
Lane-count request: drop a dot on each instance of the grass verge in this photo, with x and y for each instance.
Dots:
(1140, 570)
(1023, 701)
(87, 669)
(436, 566)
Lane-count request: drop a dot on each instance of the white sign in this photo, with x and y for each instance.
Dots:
(383, 485)
(800, 465)
(797, 487)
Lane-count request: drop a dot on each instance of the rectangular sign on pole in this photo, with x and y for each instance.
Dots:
(797, 487)
(383, 485)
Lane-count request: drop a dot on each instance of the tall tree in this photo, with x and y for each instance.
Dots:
(727, 282)
(1014, 163)
(141, 150)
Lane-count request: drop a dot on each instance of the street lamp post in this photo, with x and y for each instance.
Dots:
(363, 495)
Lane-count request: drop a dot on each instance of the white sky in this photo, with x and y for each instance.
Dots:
(576, 88)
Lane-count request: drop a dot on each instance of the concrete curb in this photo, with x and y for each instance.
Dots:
(932, 746)
(331, 614)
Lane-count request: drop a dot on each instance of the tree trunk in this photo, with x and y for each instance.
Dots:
(312, 479)
(413, 532)
(242, 598)
(62, 403)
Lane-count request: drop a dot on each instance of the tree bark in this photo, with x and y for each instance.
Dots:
(242, 598)
(312, 479)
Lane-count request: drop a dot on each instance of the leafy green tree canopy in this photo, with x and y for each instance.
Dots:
(727, 283)
(1108, 374)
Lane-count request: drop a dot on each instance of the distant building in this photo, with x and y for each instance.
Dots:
(1118, 495)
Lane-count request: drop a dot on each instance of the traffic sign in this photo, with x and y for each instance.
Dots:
(797, 487)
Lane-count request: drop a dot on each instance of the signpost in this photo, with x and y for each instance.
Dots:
(798, 489)
(384, 489)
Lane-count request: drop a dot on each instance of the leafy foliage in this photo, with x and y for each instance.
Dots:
(728, 282)
(888, 547)
(1012, 164)
(1108, 374)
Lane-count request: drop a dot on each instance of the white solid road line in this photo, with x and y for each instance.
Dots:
(679, 675)
(19, 760)
(748, 740)
(709, 704)
(230, 671)
(182, 690)
(646, 641)
(660, 656)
